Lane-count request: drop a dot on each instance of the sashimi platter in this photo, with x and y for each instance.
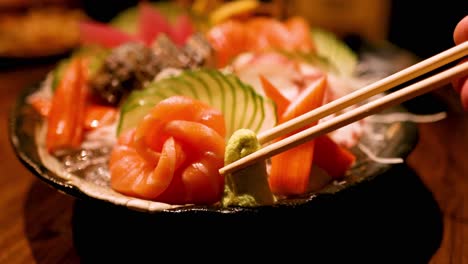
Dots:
(151, 105)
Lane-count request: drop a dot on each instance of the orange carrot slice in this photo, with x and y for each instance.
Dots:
(332, 158)
(310, 98)
(274, 94)
(66, 117)
(99, 115)
(95, 115)
(290, 170)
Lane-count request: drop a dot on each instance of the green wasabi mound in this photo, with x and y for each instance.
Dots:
(246, 187)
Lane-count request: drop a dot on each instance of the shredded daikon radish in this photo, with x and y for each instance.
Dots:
(167, 73)
(102, 136)
(80, 165)
(374, 157)
(391, 118)
(406, 117)
(348, 135)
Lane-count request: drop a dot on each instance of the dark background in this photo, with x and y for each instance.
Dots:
(423, 27)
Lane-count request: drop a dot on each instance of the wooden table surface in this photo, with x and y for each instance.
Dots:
(35, 218)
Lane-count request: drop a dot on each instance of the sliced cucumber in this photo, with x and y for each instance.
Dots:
(241, 106)
(254, 113)
(212, 78)
(202, 87)
(335, 51)
(251, 111)
(266, 115)
(172, 85)
(239, 96)
(140, 102)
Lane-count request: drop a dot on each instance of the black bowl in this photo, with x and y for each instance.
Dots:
(374, 205)
(392, 218)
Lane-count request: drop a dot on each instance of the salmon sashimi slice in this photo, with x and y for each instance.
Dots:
(267, 33)
(202, 182)
(173, 155)
(197, 136)
(259, 34)
(177, 108)
(299, 34)
(157, 181)
(290, 170)
(228, 39)
(133, 175)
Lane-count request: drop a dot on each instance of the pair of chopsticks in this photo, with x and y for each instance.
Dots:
(418, 88)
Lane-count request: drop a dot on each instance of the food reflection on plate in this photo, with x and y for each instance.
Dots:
(145, 116)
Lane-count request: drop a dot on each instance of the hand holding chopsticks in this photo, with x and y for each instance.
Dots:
(361, 112)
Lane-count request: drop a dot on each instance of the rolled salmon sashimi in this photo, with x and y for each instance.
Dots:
(186, 137)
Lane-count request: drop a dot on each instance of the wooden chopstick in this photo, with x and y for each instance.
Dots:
(361, 112)
(366, 92)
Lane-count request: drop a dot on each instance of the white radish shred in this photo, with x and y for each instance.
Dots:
(80, 165)
(377, 159)
(406, 117)
(105, 135)
(348, 135)
(167, 73)
(279, 70)
(396, 117)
